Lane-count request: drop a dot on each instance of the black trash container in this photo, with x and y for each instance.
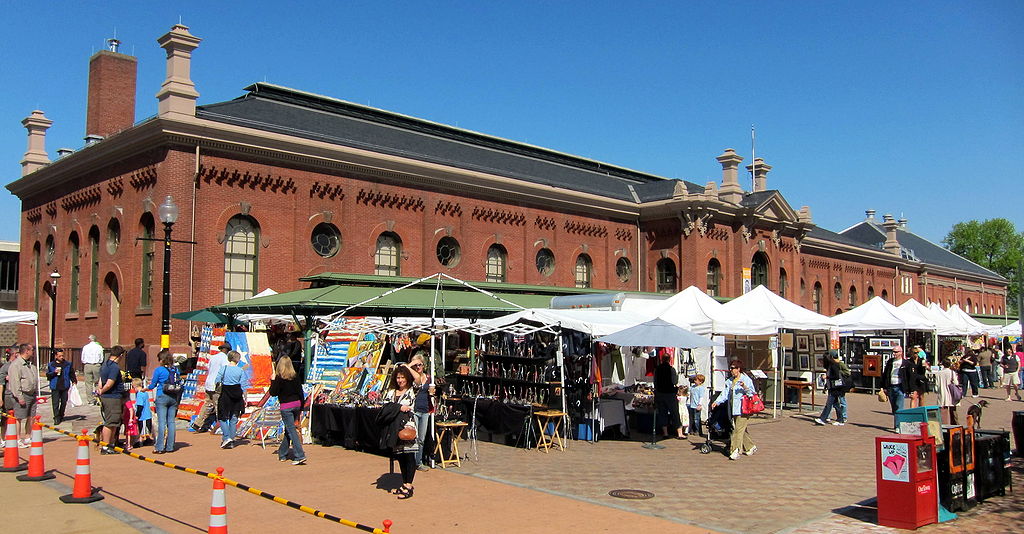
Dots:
(991, 462)
(1017, 423)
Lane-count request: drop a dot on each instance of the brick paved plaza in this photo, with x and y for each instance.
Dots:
(804, 479)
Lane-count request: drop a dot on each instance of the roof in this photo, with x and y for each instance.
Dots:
(280, 109)
(325, 279)
(915, 247)
(411, 302)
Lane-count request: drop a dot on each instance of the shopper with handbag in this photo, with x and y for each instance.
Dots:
(738, 387)
(837, 387)
(61, 375)
(286, 385)
(950, 392)
(232, 381)
(166, 386)
(400, 427)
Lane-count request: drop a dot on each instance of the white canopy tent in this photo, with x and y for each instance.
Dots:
(968, 325)
(764, 313)
(1012, 329)
(26, 318)
(943, 325)
(593, 322)
(706, 315)
(878, 314)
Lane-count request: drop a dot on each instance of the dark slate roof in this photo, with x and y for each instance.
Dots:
(914, 247)
(828, 235)
(753, 200)
(279, 109)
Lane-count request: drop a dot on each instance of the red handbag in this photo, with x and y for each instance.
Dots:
(752, 404)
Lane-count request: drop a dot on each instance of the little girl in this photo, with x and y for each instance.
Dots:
(143, 412)
(695, 404)
(682, 398)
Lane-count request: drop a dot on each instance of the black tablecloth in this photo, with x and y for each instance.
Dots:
(496, 416)
(354, 427)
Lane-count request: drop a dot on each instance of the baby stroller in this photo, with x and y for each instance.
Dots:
(719, 425)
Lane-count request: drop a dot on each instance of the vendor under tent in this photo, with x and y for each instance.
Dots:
(24, 318)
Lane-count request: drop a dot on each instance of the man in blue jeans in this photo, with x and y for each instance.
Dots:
(898, 378)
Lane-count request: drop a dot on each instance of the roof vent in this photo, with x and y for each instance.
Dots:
(113, 43)
(92, 139)
(903, 223)
(870, 215)
(62, 152)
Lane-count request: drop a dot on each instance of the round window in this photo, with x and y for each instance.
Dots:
(326, 240)
(113, 235)
(545, 262)
(49, 249)
(623, 269)
(448, 251)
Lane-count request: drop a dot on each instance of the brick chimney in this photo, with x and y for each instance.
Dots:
(760, 175)
(111, 105)
(892, 245)
(731, 190)
(177, 95)
(35, 156)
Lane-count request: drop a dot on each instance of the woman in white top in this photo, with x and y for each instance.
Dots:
(943, 379)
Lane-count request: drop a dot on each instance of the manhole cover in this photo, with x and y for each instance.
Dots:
(631, 494)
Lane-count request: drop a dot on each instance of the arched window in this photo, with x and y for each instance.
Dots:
(94, 275)
(584, 271)
(113, 236)
(838, 289)
(387, 256)
(623, 269)
(148, 231)
(803, 289)
(783, 283)
(968, 309)
(76, 272)
(714, 278)
(545, 262)
(241, 258)
(816, 297)
(853, 296)
(666, 273)
(759, 270)
(871, 292)
(885, 295)
(497, 258)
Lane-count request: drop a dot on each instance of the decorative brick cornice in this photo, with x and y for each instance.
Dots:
(143, 178)
(624, 234)
(34, 215)
(82, 198)
(545, 223)
(247, 179)
(446, 207)
(51, 209)
(509, 217)
(582, 228)
(390, 200)
(326, 190)
(115, 187)
(819, 264)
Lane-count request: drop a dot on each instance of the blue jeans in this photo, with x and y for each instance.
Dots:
(422, 428)
(228, 427)
(837, 401)
(166, 413)
(896, 397)
(291, 441)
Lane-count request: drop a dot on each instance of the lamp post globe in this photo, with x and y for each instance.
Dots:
(168, 213)
(54, 278)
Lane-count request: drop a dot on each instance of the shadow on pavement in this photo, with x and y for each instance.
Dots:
(866, 511)
(388, 481)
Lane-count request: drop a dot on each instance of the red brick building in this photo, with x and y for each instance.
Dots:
(279, 184)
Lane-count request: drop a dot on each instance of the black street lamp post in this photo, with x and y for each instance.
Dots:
(54, 278)
(168, 212)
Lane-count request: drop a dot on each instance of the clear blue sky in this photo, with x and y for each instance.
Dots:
(913, 108)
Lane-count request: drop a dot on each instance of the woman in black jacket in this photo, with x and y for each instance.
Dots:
(286, 385)
(400, 399)
(836, 384)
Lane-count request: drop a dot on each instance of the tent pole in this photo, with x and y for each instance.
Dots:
(39, 380)
(775, 392)
(560, 358)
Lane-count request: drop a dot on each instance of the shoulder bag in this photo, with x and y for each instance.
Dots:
(751, 404)
(172, 387)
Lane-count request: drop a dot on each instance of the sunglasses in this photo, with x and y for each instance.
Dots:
(733, 368)
(415, 365)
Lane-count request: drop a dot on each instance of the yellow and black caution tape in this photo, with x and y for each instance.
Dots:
(228, 481)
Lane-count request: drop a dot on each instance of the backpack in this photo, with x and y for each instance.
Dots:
(172, 386)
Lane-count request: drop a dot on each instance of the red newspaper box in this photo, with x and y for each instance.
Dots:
(905, 477)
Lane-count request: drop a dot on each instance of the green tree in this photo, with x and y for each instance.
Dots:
(995, 245)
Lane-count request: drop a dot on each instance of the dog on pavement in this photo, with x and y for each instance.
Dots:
(975, 411)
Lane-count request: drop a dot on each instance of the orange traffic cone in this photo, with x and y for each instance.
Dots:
(12, 463)
(36, 466)
(219, 506)
(83, 492)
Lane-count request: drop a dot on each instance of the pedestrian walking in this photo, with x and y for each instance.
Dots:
(166, 386)
(23, 381)
(969, 371)
(112, 397)
(397, 422)
(61, 375)
(208, 415)
(695, 403)
(898, 379)
(286, 385)
(739, 384)
(1011, 364)
(985, 356)
(232, 381)
(837, 387)
(92, 360)
(944, 378)
(920, 386)
(667, 406)
(6, 398)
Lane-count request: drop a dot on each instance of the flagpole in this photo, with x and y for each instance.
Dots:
(753, 161)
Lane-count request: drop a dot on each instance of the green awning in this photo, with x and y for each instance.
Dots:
(201, 316)
(410, 302)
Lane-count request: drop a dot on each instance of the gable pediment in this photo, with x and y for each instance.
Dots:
(773, 206)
